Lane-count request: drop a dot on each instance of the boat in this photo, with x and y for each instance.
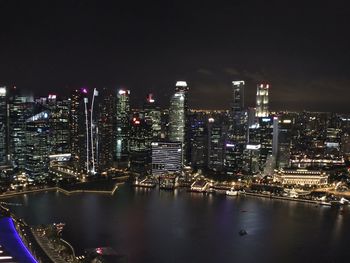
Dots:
(232, 192)
(242, 232)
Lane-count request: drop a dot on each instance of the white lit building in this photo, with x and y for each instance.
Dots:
(262, 100)
(166, 158)
(301, 177)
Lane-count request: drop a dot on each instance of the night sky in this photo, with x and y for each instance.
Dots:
(302, 48)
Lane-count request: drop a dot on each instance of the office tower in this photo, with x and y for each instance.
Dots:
(217, 133)
(106, 131)
(140, 145)
(153, 116)
(251, 116)
(275, 133)
(79, 130)
(20, 108)
(284, 141)
(37, 144)
(262, 100)
(123, 127)
(178, 118)
(164, 124)
(199, 140)
(3, 126)
(166, 158)
(238, 130)
(238, 95)
(266, 125)
(59, 125)
(251, 156)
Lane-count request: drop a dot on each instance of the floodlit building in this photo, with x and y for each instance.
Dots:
(166, 158)
(301, 177)
(262, 100)
(178, 117)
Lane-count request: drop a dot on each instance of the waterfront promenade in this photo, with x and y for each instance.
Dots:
(12, 242)
(75, 189)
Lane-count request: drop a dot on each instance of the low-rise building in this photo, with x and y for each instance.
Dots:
(301, 177)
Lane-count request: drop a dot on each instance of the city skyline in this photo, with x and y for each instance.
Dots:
(147, 47)
(174, 131)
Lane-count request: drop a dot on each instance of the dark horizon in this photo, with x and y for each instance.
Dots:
(300, 49)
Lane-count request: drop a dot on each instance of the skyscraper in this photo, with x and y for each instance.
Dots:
(199, 140)
(178, 121)
(37, 144)
(238, 95)
(20, 108)
(238, 130)
(59, 125)
(217, 133)
(3, 126)
(140, 145)
(78, 128)
(153, 116)
(106, 131)
(123, 127)
(262, 100)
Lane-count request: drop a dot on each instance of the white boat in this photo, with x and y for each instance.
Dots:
(231, 192)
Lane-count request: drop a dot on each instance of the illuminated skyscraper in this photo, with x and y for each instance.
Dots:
(123, 127)
(20, 108)
(3, 126)
(78, 128)
(199, 140)
(59, 125)
(37, 144)
(153, 116)
(106, 131)
(178, 121)
(262, 100)
(238, 95)
(217, 133)
(238, 130)
(140, 145)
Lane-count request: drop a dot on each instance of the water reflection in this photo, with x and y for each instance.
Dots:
(152, 225)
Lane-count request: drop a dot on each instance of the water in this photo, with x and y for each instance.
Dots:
(149, 225)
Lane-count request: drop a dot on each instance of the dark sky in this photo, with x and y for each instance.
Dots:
(302, 48)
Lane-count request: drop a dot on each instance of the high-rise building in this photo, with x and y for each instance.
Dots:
(166, 158)
(266, 139)
(251, 156)
(199, 140)
(153, 116)
(20, 108)
(3, 126)
(59, 125)
(238, 131)
(217, 134)
(140, 145)
(238, 95)
(106, 139)
(284, 141)
(122, 127)
(79, 130)
(37, 145)
(262, 100)
(178, 118)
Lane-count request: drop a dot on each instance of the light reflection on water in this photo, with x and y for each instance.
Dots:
(149, 225)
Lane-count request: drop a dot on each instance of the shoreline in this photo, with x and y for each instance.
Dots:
(284, 198)
(61, 190)
(116, 186)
